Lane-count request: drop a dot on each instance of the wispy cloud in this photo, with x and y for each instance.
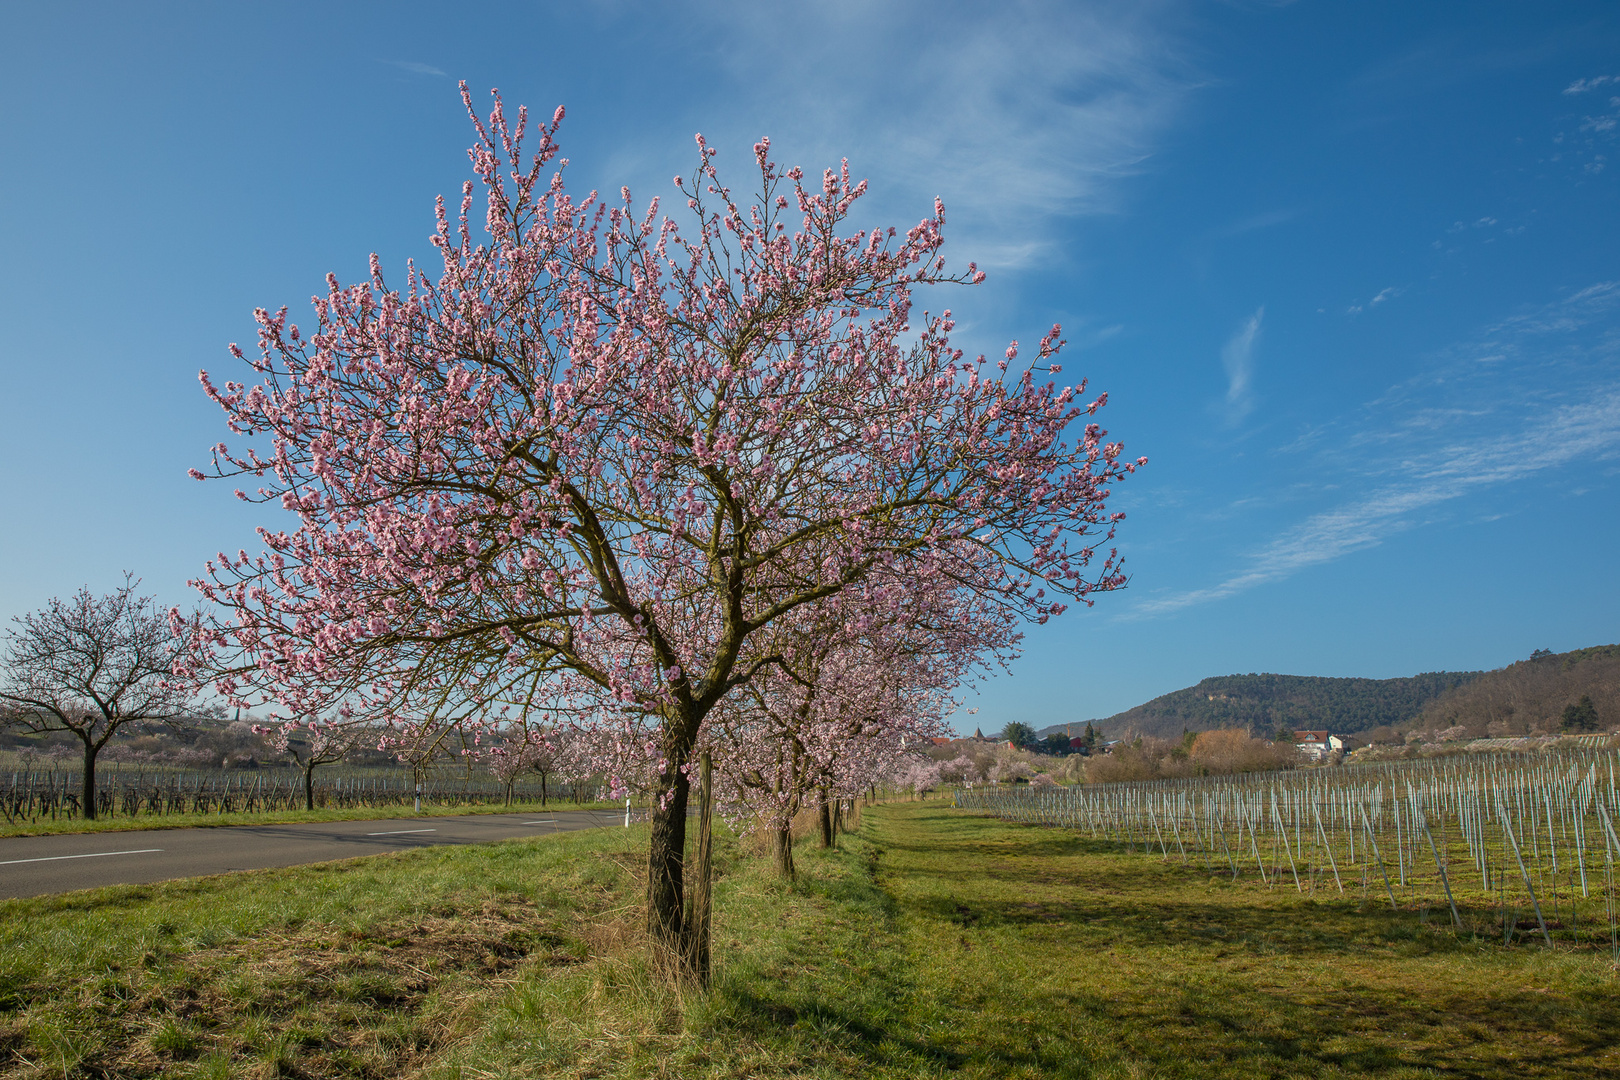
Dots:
(1581, 86)
(1385, 294)
(1015, 114)
(1589, 144)
(415, 67)
(1237, 357)
(1569, 434)
(1266, 220)
(1533, 395)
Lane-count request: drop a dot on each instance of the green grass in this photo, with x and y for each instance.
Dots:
(365, 967)
(139, 822)
(933, 943)
(939, 944)
(1037, 953)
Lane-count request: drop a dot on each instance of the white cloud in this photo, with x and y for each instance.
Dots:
(415, 67)
(1567, 435)
(1237, 357)
(1386, 294)
(1601, 124)
(1535, 394)
(1015, 114)
(1581, 86)
(1267, 220)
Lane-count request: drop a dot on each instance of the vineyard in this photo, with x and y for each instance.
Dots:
(34, 794)
(1511, 845)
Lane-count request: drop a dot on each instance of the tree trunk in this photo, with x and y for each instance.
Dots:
(665, 855)
(824, 816)
(542, 791)
(782, 850)
(89, 809)
(309, 786)
(698, 919)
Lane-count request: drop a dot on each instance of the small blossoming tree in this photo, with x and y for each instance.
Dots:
(89, 666)
(312, 743)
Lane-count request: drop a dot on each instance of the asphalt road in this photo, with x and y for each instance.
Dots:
(37, 865)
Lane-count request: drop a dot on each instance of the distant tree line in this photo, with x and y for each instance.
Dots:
(1203, 753)
(1574, 692)
(1058, 743)
(1221, 752)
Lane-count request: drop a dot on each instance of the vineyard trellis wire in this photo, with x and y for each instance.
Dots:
(34, 794)
(1518, 845)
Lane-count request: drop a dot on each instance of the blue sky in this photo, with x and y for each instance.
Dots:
(1348, 272)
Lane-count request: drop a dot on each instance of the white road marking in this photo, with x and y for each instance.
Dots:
(400, 832)
(91, 855)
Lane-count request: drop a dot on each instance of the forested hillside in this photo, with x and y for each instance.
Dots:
(1531, 695)
(1265, 703)
(1525, 697)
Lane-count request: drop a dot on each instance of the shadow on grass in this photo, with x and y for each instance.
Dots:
(1132, 965)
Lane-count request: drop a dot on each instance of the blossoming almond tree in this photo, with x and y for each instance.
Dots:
(310, 744)
(90, 665)
(521, 750)
(600, 451)
(850, 689)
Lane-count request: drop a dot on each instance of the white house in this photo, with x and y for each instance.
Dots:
(1317, 745)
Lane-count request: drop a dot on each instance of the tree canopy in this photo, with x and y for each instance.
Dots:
(585, 471)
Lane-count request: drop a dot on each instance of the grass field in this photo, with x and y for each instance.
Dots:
(141, 822)
(933, 943)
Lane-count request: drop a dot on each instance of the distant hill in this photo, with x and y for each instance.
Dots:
(1264, 703)
(1530, 695)
(1522, 698)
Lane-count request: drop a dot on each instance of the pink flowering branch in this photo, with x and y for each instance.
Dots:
(596, 458)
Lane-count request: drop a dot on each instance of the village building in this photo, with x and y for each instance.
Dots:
(1317, 745)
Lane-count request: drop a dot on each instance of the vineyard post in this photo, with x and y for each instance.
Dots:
(1611, 843)
(1175, 828)
(1328, 847)
(1400, 851)
(1444, 881)
(1378, 856)
(1508, 830)
(1230, 858)
(1254, 842)
(1283, 832)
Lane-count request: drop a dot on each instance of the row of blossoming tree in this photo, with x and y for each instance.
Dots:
(697, 485)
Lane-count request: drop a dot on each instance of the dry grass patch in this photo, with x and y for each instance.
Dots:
(369, 968)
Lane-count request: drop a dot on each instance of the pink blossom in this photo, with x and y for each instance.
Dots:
(679, 461)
